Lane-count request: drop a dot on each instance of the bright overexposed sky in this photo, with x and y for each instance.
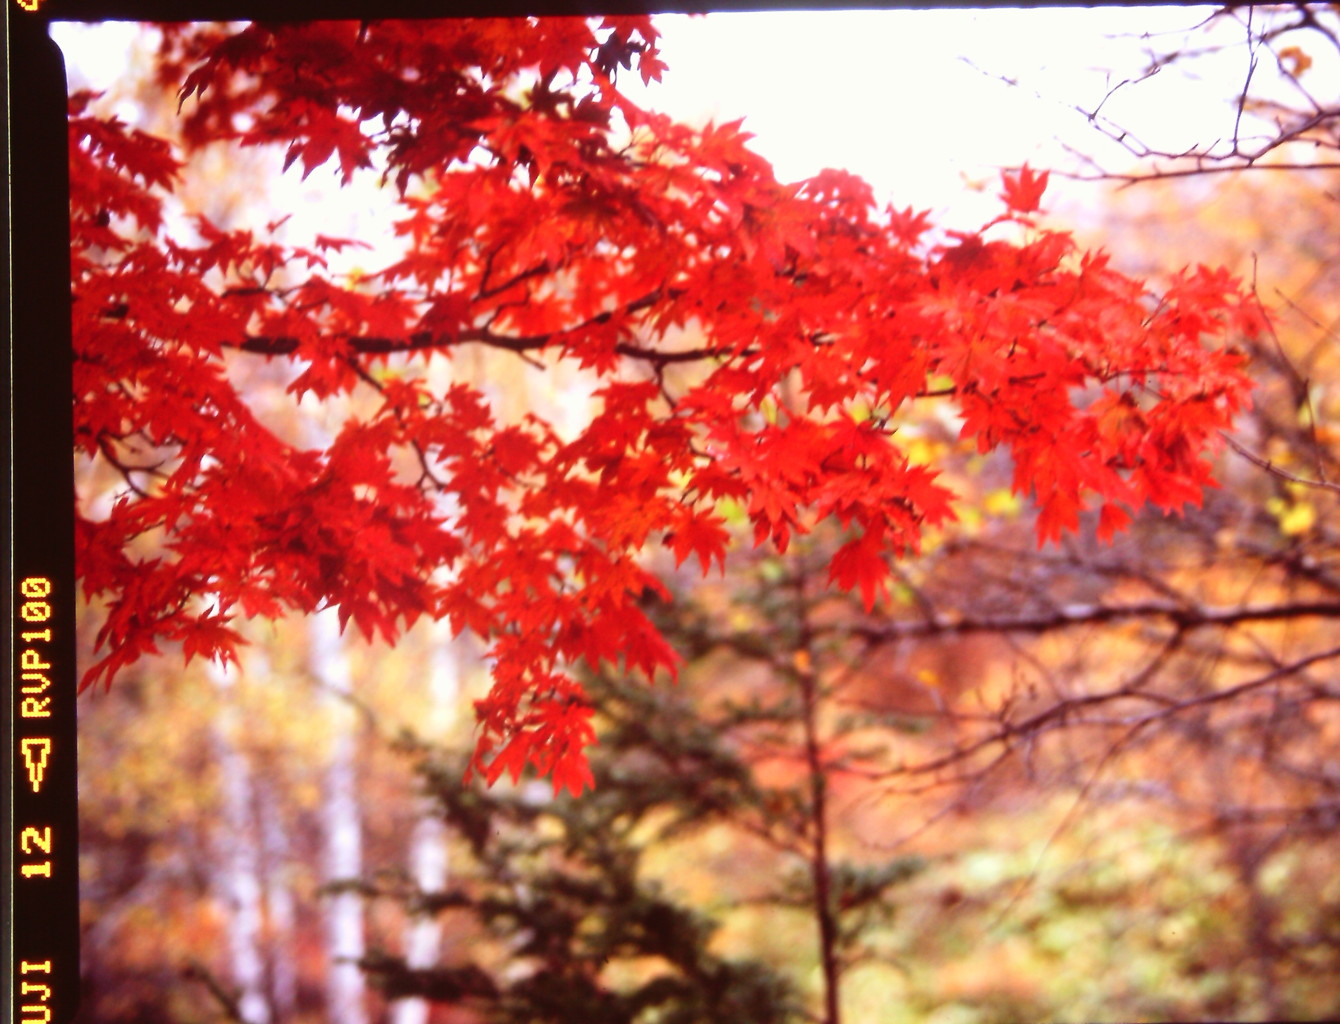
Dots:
(910, 100)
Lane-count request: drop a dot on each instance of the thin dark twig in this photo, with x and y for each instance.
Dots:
(1274, 470)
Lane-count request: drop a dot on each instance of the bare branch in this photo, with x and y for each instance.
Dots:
(1182, 615)
(1273, 470)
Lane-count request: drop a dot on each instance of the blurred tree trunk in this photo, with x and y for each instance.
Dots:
(342, 827)
(280, 906)
(1248, 858)
(817, 826)
(428, 858)
(239, 875)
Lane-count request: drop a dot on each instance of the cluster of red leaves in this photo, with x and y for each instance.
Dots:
(549, 213)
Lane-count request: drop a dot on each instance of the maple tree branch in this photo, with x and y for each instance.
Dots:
(1219, 696)
(1183, 616)
(196, 971)
(1308, 123)
(539, 269)
(424, 340)
(105, 442)
(1061, 713)
(1159, 174)
(427, 472)
(1273, 470)
(520, 344)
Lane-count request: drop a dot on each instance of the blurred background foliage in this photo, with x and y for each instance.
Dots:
(1079, 783)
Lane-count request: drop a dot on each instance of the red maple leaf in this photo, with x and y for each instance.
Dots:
(861, 563)
(1023, 189)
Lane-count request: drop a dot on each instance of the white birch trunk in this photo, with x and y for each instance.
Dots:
(281, 908)
(240, 876)
(428, 843)
(343, 837)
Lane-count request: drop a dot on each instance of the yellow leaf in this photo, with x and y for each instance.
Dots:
(732, 511)
(1294, 60)
(1001, 502)
(1297, 519)
(922, 452)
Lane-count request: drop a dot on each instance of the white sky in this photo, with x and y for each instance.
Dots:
(888, 95)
